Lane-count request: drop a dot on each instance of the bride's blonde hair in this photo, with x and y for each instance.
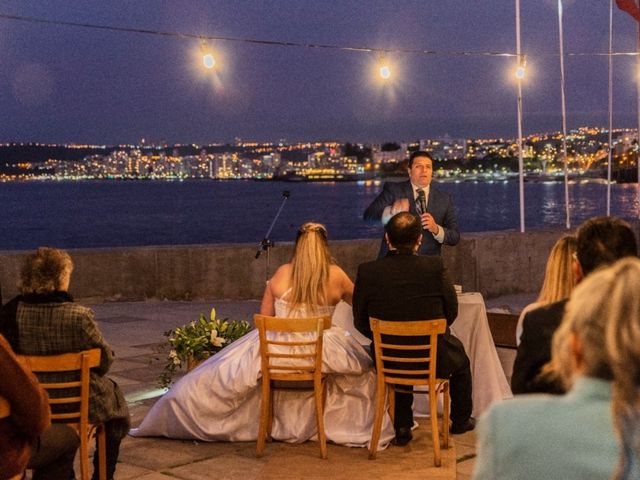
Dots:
(311, 263)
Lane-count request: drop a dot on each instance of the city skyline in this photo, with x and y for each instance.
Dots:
(62, 84)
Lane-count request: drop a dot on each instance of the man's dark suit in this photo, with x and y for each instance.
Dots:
(439, 205)
(411, 287)
(534, 350)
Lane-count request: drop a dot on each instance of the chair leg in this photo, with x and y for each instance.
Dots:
(271, 414)
(102, 452)
(265, 408)
(435, 434)
(445, 413)
(381, 392)
(84, 454)
(319, 388)
(392, 403)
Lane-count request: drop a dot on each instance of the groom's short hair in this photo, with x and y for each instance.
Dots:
(403, 230)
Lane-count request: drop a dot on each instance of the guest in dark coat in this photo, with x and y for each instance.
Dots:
(27, 438)
(600, 241)
(434, 208)
(405, 286)
(44, 320)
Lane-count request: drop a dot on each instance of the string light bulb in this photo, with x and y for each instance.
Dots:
(208, 60)
(521, 70)
(384, 70)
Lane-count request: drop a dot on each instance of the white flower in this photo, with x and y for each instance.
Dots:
(173, 356)
(217, 341)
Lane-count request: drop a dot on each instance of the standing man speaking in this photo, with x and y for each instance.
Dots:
(433, 207)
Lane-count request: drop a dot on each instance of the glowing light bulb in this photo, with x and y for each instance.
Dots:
(520, 72)
(208, 61)
(385, 72)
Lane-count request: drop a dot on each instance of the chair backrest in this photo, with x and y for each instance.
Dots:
(68, 389)
(291, 348)
(5, 408)
(406, 351)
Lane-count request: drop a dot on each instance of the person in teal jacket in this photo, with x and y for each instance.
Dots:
(566, 437)
(623, 347)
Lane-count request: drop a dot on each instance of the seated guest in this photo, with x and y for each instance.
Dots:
(27, 438)
(405, 286)
(600, 241)
(223, 394)
(44, 320)
(558, 278)
(570, 436)
(623, 347)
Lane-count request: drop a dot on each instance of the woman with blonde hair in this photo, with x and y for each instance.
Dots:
(623, 347)
(220, 400)
(558, 278)
(311, 283)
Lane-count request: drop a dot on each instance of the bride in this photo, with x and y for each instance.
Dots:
(220, 399)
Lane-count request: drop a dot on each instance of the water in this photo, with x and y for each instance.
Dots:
(107, 214)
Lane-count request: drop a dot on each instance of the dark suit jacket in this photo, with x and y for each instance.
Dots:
(535, 349)
(409, 287)
(439, 205)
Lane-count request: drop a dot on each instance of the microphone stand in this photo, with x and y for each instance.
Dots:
(266, 244)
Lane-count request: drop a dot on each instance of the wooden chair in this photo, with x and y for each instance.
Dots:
(291, 362)
(69, 400)
(395, 369)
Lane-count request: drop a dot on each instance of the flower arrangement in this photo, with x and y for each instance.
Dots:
(198, 340)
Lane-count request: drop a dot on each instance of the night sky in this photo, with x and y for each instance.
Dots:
(69, 84)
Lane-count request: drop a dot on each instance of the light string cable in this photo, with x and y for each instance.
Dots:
(285, 43)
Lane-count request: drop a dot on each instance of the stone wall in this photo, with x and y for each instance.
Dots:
(493, 263)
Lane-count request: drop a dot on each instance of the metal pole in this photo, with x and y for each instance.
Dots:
(564, 117)
(520, 155)
(610, 158)
(638, 108)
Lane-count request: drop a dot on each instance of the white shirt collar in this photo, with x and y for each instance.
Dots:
(415, 190)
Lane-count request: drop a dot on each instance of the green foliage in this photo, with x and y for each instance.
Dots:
(198, 340)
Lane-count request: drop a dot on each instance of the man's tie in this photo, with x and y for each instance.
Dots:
(421, 201)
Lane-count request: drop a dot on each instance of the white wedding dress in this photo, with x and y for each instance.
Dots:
(220, 399)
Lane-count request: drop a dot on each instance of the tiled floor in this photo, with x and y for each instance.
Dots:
(135, 331)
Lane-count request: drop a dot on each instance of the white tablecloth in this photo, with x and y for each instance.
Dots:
(472, 328)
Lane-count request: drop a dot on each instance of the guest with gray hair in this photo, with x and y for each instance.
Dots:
(44, 320)
(623, 348)
(572, 436)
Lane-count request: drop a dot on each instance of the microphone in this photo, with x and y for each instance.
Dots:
(422, 201)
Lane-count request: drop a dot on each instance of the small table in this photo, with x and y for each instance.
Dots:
(472, 328)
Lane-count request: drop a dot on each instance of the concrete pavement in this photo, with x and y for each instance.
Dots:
(135, 330)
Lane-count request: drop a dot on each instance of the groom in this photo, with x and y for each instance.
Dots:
(405, 286)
